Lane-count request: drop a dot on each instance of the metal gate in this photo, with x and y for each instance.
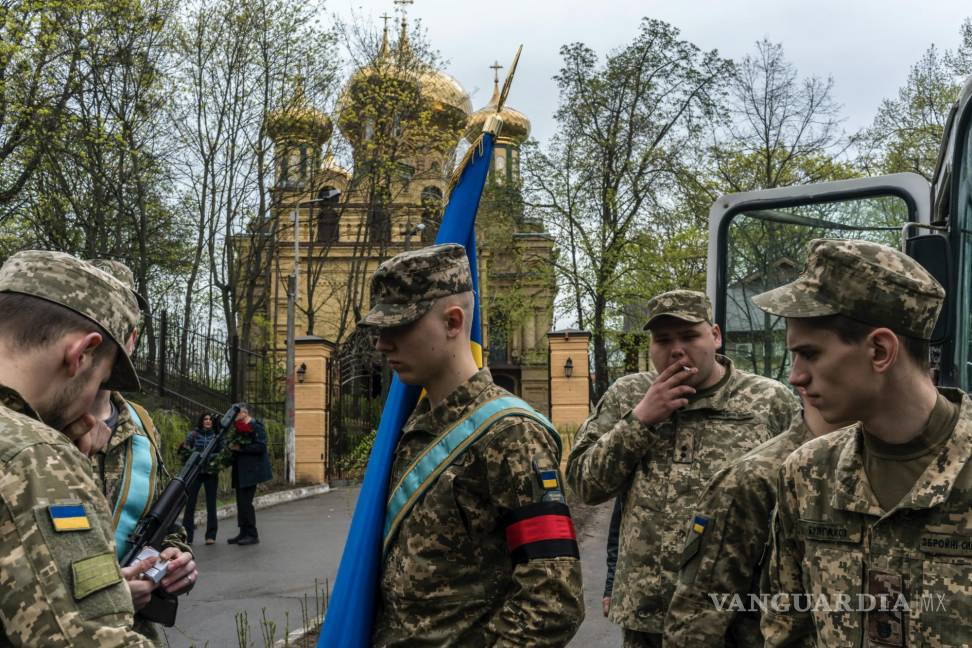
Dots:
(357, 384)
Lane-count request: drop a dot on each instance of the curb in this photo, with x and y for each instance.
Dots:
(262, 502)
(295, 636)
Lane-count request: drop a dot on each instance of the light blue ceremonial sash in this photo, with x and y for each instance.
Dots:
(443, 452)
(137, 487)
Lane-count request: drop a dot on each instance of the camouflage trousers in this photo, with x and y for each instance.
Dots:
(635, 639)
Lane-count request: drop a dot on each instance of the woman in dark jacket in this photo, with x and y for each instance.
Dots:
(197, 440)
(251, 466)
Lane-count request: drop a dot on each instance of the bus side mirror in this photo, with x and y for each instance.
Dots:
(932, 252)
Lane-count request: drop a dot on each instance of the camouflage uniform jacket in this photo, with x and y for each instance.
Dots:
(730, 553)
(448, 579)
(661, 470)
(56, 588)
(109, 469)
(830, 536)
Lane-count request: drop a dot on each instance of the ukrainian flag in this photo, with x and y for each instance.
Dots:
(350, 615)
(70, 517)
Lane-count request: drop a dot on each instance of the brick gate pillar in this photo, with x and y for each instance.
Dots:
(312, 423)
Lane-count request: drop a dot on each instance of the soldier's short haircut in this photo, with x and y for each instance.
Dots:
(29, 322)
(851, 331)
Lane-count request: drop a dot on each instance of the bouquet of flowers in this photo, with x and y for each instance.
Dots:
(238, 435)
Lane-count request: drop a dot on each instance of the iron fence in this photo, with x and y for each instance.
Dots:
(206, 371)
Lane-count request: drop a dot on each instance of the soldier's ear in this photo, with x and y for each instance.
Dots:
(77, 346)
(455, 319)
(883, 346)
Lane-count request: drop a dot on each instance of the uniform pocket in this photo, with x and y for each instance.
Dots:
(835, 572)
(945, 607)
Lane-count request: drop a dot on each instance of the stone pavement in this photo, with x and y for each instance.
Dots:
(596, 631)
(303, 540)
(299, 541)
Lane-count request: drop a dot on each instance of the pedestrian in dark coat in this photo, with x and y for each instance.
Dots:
(251, 466)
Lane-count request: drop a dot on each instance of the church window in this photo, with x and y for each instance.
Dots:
(431, 212)
(328, 218)
(379, 226)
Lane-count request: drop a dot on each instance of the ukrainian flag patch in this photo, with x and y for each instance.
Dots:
(699, 522)
(548, 479)
(69, 517)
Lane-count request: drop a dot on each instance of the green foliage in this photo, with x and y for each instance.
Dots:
(907, 132)
(356, 458)
(625, 124)
(173, 428)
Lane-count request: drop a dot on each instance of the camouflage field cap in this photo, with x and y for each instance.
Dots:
(405, 286)
(84, 289)
(122, 273)
(688, 305)
(867, 282)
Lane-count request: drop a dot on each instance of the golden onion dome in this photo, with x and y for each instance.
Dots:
(448, 101)
(299, 120)
(516, 126)
(444, 93)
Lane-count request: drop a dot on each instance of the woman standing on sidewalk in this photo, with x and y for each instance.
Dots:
(251, 466)
(197, 440)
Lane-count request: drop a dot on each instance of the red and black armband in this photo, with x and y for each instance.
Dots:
(540, 530)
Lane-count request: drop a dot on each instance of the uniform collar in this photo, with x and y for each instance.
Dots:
(719, 399)
(853, 492)
(125, 427)
(10, 399)
(452, 408)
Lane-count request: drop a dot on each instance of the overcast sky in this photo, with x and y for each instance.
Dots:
(867, 47)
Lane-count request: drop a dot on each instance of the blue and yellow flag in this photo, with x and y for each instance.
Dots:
(350, 614)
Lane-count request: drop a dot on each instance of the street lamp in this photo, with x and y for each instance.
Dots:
(289, 410)
(301, 372)
(569, 367)
(411, 230)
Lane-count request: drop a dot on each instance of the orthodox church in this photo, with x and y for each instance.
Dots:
(405, 124)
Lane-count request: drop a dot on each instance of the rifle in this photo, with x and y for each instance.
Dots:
(146, 540)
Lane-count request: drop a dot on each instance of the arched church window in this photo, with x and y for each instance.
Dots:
(283, 165)
(379, 225)
(431, 212)
(328, 218)
(303, 162)
(500, 166)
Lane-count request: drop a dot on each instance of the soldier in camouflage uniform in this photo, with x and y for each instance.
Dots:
(882, 508)
(726, 555)
(109, 460)
(657, 438)
(62, 327)
(466, 568)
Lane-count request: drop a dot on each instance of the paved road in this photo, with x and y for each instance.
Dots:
(303, 540)
(299, 541)
(596, 631)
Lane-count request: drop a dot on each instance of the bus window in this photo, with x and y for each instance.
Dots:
(766, 248)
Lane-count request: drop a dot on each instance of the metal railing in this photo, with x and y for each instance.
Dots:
(205, 371)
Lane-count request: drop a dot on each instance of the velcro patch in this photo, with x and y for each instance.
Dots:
(946, 544)
(540, 530)
(548, 479)
(94, 573)
(829, 532)
(69, 517)
(699, 523)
